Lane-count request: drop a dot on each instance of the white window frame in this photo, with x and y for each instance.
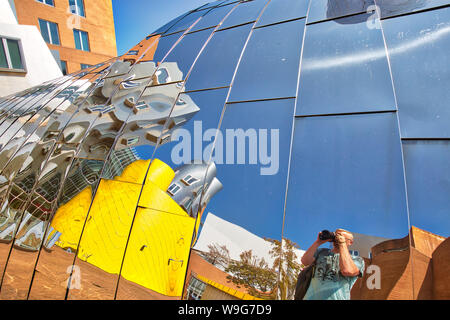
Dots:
(8, 57)
(43, 2)
(47, 24)
(81, 40)
(77, 9)
(185, 180)
(171, 191)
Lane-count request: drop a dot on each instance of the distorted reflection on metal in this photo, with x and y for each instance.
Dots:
(202, 163)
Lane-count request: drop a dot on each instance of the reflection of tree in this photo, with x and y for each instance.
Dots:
(285, 256)
(254, 274)
(217, 255)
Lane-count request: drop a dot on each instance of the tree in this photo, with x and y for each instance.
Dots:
(217, 255)
(285, 260)
(254, 274)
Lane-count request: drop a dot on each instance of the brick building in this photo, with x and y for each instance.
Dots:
(80, 32)
(414, 267)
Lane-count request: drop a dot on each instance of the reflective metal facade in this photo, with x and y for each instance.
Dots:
(281, 118)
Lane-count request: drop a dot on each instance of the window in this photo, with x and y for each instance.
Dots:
(63, 67)
(354, 252)
(187, 203)
(81, 40)
(77, 7)
(188, 180)
(11, 54)
(85, 66)
(49, 31)
(49, 2)
(195, 289)
(173, 189)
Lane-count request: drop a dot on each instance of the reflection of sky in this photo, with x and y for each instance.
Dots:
(346, 172)
(247, 199)
(144, 152)
(256, 202)
(364, 56)
(136, 19)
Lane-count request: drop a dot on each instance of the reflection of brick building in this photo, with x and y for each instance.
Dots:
(210, 282)
(421, 260)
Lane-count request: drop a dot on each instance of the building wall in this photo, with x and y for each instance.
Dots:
(441, 271)
(420, 271)
(212, 293)
(98, 23)
(39, 63)
(7, 12)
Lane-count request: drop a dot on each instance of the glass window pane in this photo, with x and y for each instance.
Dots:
(225, 46)
(76, 35)
(418, 46)
(50, 2)
(269, 66)
(73, 7)
(330, 9)
(80, 6)
(85, 40)
(54, 33)
(14, 54)
(63, 67)
(3, 61)
(344, 69)
(244, 13)
(283, 10)
(44, 30)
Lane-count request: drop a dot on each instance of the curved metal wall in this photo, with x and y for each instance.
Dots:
(204, 161)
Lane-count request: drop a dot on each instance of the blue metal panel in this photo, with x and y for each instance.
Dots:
(225, 46)
(283, 10)
(346, 172)
(418, 47)
(344, 69)
(427, 165)
(269, 66)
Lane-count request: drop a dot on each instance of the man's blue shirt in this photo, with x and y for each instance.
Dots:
(328, 283)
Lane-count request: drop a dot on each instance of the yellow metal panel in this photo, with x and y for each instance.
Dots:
(135, 172)
(158, 251)
(70, 217)
(155, 198)
(108, 225)
(160, 174)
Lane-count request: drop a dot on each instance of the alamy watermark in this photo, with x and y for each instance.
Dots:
(373, 22)
(230, 147)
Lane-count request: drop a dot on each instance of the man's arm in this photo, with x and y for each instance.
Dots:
(346, 265)
(308, 256)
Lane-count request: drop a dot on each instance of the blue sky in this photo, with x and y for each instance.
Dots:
(135, 19)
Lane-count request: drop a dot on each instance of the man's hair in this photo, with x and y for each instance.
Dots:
(346, 233)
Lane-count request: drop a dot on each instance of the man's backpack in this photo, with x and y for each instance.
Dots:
(304, 280)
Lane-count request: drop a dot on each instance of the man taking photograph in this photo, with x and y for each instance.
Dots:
(336, 269)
